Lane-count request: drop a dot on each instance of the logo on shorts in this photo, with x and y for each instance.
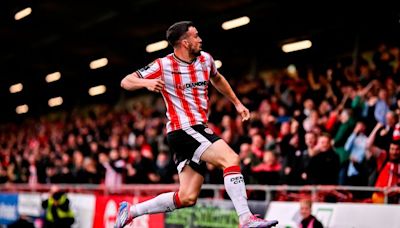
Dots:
(208, 131)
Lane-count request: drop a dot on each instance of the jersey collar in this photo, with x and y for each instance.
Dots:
(183, 61)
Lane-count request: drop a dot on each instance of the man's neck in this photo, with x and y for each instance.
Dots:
(184, 56)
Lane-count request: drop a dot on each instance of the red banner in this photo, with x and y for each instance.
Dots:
(107, 209)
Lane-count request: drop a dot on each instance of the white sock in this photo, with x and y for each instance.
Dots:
(162, 203)
(235, 187)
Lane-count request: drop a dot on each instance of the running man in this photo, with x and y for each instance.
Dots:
(183, 78)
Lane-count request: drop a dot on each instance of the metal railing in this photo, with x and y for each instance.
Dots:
(217, 190)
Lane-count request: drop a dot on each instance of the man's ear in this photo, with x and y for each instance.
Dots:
(185, 42)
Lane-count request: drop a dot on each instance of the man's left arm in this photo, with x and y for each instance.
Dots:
(222, 85)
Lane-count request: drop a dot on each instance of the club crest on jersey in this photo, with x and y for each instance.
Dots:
(191, 85)
(208, 131)
(146, 67)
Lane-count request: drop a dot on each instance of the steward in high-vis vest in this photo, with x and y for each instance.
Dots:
(58, 213)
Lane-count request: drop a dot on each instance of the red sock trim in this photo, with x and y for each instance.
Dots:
(232, 170)
(177, 201)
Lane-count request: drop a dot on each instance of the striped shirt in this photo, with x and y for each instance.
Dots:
(186, 88)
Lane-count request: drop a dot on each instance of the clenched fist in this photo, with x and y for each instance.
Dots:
(155, 85)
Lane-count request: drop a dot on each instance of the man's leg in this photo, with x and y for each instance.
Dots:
(189, 189)
(221, 155)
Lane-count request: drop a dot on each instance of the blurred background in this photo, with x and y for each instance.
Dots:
(59, 36)
(321, 79)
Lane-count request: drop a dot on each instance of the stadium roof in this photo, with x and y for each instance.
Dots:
(65, 36)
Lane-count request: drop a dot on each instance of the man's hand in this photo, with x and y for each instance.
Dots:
(155, 85)
(131, 170)
(243, 111)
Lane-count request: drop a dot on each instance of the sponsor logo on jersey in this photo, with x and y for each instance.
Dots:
(192, 85)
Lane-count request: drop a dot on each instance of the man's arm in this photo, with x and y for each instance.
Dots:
(222, 85)
(65, 206)
(133, 82)
(372, 150)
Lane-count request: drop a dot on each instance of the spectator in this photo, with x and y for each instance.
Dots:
(257, 149)
(345, 128)
(353, 172)
(267, 172)
(57, 210)
(311, 121)
(77, 167)
(140, 169)
(90, 174)
(292, 162)
(284, 137)
(384, 133)
(382, 106)
(298, 164)
(115, 168)
(308, 220)
(165, 168)
(18, 169)
(388, 170)
(323, 168)
(33, 173)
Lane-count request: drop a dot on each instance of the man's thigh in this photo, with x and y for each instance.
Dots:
(220, 154)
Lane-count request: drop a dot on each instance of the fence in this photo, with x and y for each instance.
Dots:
(269, 192)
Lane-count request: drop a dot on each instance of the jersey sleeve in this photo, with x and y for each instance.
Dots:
(213, 70)
(151, 71)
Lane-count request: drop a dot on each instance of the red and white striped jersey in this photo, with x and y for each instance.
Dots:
(186, 88)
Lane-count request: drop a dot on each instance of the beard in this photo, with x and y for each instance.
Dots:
(194, 52)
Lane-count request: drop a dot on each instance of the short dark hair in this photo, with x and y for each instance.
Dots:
(177, 30)
(325, 134)
(395, 142)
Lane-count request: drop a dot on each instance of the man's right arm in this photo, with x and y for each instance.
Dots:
(133, 82)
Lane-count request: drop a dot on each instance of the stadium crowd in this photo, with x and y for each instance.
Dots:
(329, 125)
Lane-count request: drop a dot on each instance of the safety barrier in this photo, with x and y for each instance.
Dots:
(96, 205)
(288, 193)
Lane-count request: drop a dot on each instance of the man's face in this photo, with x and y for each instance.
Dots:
(394, 152)
(257, 141)
(305, 210)
(194, 41)
(390, 119)
(324, 143)
(310, 139)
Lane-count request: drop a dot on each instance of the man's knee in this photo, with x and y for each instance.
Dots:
(231, 160)
(187, 200)
(235, 160)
